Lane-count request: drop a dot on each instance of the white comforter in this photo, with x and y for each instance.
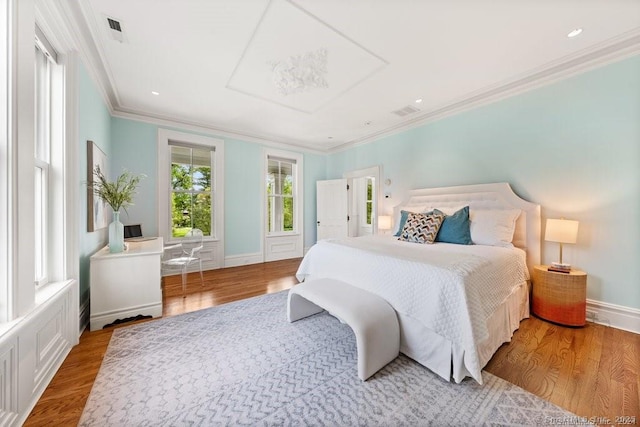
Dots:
(450, 289)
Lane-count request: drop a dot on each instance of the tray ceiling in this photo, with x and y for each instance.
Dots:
(324, 75)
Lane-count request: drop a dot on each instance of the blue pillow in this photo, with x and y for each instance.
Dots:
(455, 228)
(403, 220)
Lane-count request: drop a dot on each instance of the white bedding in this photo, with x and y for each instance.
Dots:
(451, 290)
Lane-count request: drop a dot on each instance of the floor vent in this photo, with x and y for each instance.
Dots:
(409, 109)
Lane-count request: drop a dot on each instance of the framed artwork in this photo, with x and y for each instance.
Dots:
(97, 209)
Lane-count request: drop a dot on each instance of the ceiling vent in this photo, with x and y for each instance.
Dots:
(409, 109)
(114, 29)
(114, 25)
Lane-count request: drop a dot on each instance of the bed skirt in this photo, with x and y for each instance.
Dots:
(446, 358)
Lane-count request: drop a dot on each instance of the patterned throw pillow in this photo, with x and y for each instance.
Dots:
(421, 228)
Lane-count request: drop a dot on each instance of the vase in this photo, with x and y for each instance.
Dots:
(116, 234)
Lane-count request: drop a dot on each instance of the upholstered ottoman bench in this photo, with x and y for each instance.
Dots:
(371, 318)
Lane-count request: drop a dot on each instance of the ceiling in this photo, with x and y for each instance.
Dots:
(329, 74)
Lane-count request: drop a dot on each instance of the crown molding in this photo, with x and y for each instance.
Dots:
(76, 14)
(90, 29)
(215, 131)
(73, 15)
(67, 16)
(610, 51)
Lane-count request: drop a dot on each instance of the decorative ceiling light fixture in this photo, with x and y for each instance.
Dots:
(574, 33)
(418, 101)
(301, 73)
(153, 92)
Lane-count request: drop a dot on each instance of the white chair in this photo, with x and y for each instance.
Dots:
(190, 246)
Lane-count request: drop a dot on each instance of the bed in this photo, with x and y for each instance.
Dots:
(456, 304)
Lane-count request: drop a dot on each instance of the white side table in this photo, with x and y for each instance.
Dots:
(126, 284)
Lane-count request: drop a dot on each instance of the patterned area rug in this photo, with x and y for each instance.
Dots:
(244, 364)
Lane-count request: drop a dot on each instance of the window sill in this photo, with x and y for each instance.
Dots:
(174, 241)
(46, 292)
(284, 234)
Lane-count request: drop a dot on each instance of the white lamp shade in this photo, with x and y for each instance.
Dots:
(561, 230)
(384, 222)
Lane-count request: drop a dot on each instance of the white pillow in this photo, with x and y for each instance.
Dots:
(450, 210)
(493, 227)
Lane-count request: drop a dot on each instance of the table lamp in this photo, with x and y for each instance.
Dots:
(384, 222)
(561, 231)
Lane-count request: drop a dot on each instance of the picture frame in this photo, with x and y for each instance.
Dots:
(97, 209)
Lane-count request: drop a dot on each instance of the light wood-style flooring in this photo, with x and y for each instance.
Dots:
(592, 371)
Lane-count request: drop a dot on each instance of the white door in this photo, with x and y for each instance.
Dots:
(332, 209)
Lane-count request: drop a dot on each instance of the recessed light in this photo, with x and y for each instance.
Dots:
(418, 101)
(575, 32)
(153, 92)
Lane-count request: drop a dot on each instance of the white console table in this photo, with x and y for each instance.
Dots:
(126, 284)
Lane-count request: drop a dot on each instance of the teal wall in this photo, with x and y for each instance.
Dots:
(242, 196)
(94, 125)
(573, 147)
(134, 147)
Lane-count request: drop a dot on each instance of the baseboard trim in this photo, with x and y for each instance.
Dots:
(616, 316)
(84, 317)
(243, 259)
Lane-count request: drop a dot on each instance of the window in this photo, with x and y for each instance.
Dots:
(281, 195)
(42, 148)
(282, 191)
(39, 183)
(368, 197)
(191, 189)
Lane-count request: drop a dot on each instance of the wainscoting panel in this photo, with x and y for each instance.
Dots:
(283, 247)
(50, 344)
(8, 383)
(33, 347)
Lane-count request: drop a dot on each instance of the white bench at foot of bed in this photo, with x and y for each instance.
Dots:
(371, 318)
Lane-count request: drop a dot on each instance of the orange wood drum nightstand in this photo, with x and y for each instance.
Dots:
(560, 297)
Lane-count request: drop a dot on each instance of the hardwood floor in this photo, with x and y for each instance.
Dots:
(592, 371)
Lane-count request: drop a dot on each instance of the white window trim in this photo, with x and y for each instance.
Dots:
(53, 143)
(280, 196)
(44, 219)
(294, 239)
(7, 171)
(298, 193)
(376, 172)
(165, 137)
(17, 162)
(38, 326)
(367, 201)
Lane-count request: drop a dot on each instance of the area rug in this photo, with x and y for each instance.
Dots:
(244, 364)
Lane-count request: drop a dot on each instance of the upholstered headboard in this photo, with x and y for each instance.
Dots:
(486, 196)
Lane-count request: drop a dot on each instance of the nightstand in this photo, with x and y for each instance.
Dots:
(560, 297)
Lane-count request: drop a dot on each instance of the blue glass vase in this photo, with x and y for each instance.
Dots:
(116, 234)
